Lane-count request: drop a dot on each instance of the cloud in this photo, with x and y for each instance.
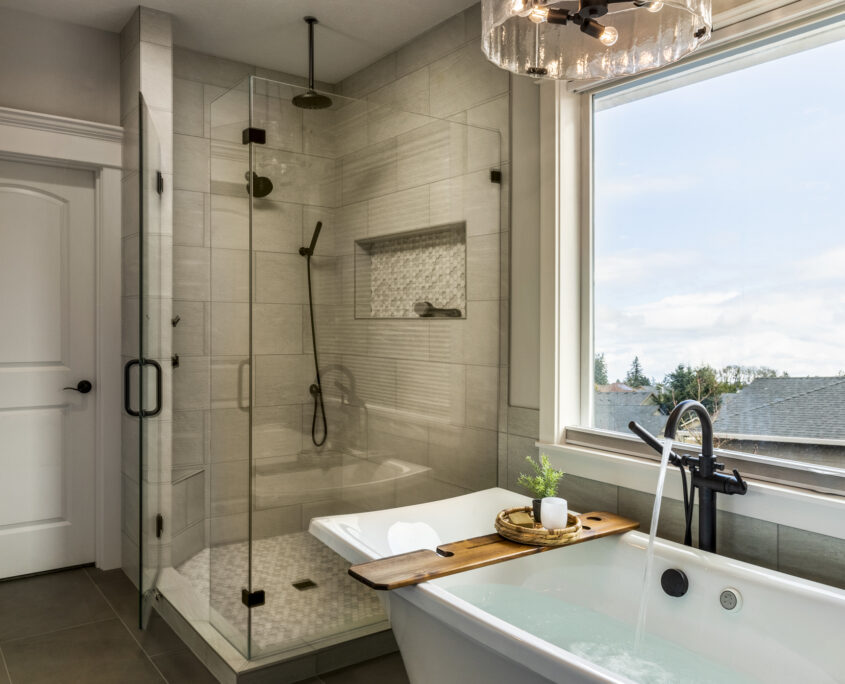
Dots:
(798, 329)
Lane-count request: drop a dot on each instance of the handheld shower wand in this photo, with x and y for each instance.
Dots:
(316, 389)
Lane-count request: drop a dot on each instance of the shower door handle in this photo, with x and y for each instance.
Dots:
(159, 387)
(127, 394)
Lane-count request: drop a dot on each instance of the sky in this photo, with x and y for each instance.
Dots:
(720, 221)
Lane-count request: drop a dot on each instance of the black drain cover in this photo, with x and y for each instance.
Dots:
(304, 584)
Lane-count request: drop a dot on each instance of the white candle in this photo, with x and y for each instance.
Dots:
(553, 513)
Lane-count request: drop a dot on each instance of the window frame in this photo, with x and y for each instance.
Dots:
(566, 292)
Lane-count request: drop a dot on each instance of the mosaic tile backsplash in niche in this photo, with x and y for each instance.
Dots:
(394, 272)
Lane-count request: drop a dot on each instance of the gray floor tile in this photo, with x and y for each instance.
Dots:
(4, 675)
(98, 653)
(157, 638)
(388, 669)
(183, 667)
(37, 605)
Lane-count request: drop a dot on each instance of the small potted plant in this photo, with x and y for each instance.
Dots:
(544, 482)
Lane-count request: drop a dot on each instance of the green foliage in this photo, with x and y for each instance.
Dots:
(686, 382)
(635, 376)
(600, 370)
(544, 481)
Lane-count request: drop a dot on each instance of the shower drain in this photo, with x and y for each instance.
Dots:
(304, 584)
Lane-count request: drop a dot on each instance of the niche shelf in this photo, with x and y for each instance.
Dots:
(393, 272)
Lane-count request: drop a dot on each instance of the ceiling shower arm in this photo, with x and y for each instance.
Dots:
(311, 21)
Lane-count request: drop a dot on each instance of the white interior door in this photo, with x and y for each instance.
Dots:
(47, 343)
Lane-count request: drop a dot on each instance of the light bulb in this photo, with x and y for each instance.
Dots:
(609, 36)
(655, 6)
(517, 6)
(538, 14)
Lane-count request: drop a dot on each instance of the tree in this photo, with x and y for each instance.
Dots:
(635, 376)
(600, 370)
(701, 384)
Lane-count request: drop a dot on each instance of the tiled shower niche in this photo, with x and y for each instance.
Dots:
(395, 272)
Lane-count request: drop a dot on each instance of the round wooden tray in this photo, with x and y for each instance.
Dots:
(536, 536)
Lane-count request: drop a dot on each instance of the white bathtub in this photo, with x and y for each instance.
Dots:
(553, 616)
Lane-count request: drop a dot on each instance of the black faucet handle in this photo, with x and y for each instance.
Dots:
(737, 485)
(718, 466)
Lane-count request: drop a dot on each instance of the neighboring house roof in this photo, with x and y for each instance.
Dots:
(786, 407)
(614, 409)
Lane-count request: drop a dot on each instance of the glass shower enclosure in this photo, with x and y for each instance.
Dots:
(402, 354)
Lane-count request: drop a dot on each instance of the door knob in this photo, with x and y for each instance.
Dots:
(83, 387)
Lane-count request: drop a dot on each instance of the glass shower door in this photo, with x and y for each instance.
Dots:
(149, 372)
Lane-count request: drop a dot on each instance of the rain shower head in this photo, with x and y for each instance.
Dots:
(311, 99)
(261, 185)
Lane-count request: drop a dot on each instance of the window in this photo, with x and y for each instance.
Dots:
(719, 255)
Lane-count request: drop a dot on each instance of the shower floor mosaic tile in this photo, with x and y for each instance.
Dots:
(290, 617)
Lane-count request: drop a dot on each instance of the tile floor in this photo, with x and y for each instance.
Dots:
(337, 603)
(80, 626)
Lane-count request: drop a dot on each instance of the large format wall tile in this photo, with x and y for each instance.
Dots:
(463, 79)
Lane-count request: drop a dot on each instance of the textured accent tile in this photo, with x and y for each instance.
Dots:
(403, 270)
(812, 556)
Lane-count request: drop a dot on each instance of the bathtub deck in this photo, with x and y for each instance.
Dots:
(411, 568)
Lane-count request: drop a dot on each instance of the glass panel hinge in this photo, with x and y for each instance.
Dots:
(254, 135)
(252, 599)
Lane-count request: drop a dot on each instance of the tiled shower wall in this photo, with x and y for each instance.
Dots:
(431, 387)
(431, 392)
(211, 296)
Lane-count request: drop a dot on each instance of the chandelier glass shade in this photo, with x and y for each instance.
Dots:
(591, 39)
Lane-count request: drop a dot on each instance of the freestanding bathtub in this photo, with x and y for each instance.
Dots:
(567, 615)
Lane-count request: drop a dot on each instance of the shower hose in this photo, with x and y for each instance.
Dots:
(317, 388)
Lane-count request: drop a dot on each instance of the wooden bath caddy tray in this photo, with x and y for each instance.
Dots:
(414, 567)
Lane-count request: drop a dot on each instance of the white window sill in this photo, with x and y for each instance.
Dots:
(821, 513)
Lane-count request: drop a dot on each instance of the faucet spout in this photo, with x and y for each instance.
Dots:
(703, 470)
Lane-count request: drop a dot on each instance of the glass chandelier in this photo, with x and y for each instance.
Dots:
(591, 39)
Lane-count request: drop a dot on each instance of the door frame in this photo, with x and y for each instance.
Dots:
(34, 137)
